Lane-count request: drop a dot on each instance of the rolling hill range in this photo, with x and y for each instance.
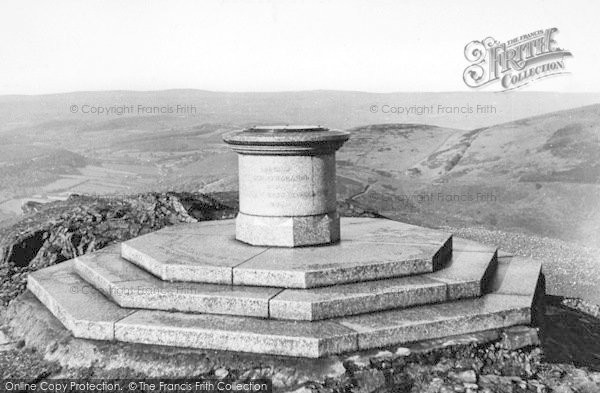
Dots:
(533, 166)
(22, 115)
(540, 174)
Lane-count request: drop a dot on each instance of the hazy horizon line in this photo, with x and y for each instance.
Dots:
(301, 91)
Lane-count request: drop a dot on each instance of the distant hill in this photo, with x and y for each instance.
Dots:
(539, 174)
(339, 109)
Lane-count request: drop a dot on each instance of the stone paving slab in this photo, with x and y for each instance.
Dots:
(516, 276)
(82, 309)
(199, 253)
(345, 262)
(129, 286)
(202, 252)
(307, 339)
(466, 276)
(381, 230)
(439, 320)
(350, 299)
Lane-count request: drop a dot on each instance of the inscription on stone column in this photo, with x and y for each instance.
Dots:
(296, 185)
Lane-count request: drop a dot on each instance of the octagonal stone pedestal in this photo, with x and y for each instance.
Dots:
(371, 249)
(287, 185)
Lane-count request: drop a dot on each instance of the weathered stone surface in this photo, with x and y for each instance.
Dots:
(308, 339)
(516, 276)
(469, 338)
(287, 186)
(460, 244)
(198, 253)
(350, 299)
(202, 252)
(286, 140)
(517, 337)
(468, 274)
(379, 230)
(509, 303)
(82, 309)
(129, 286)
(288, 231)
(465, 276)
(344, 262)
(30, 321)
(433, 321)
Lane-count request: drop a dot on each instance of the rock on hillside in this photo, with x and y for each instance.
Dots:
(62, 230)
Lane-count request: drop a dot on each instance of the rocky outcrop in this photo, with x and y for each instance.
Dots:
(58, 231)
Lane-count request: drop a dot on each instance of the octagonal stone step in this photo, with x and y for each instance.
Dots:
(466, 275)
(207, 252)
(130, 286)
(82, 309)
(88, 314)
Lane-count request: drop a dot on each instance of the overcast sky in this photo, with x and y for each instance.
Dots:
(377, 46)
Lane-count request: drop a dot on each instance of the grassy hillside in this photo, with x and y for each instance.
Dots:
(539, 175)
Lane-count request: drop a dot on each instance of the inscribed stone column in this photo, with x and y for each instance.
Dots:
(287, 185)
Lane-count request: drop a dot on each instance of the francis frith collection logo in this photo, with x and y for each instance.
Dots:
(514, 63)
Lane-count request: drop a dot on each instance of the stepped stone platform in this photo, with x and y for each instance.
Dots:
(105, 296)
(465, 275)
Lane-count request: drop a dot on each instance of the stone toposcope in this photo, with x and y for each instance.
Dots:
(385, 283)
(287, 185)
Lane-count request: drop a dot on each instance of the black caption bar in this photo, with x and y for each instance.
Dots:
(138, 385)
